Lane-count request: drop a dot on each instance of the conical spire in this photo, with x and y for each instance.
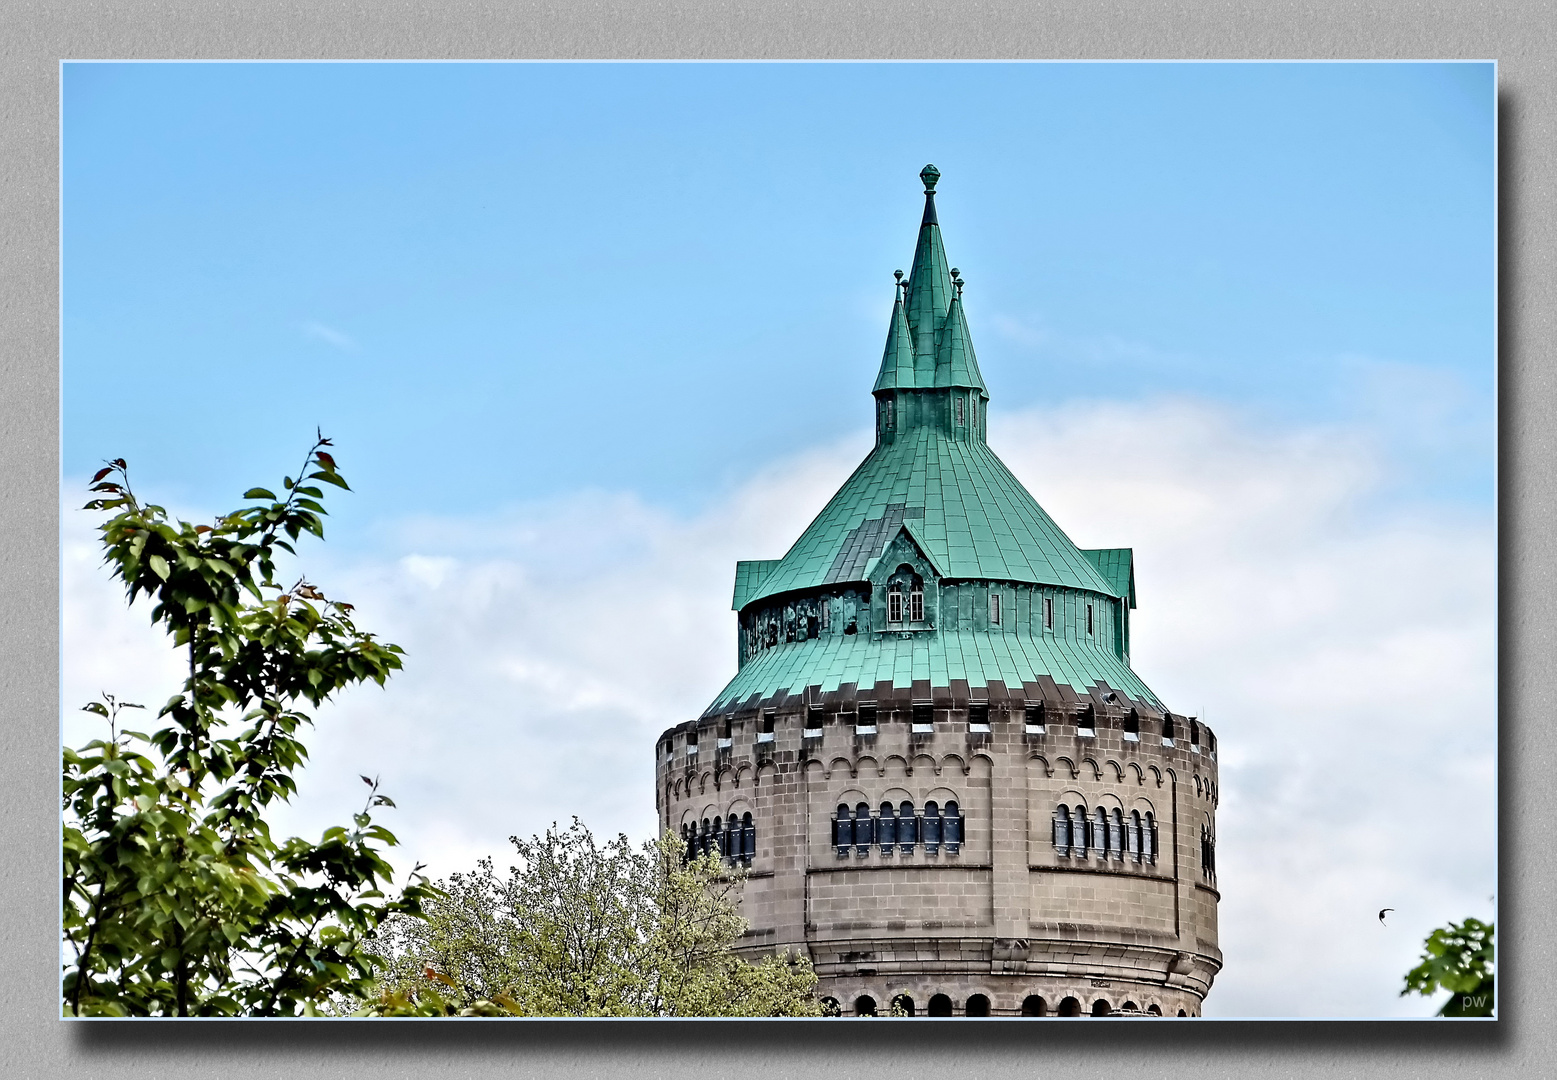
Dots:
(897, 362)
(955, 364)
(929, 283)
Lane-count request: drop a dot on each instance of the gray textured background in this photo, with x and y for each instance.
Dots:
(35, 36)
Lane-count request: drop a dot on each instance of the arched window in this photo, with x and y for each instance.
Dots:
(717, 840)
(902, 1004)
(1100, 832)
(1101, 1007)
(952, 828)
(1153, 1010)
(1079, 830)
(1062, 829)
(1135, 835)
(886, 828)
(1130, 1007)
(940, 1005)
(864, 828)
(916, 600)
(830, 1007)
(1070, 1007)
(1116, 834)
(907, 827)
(702, 839)
(748, 838)
(1033, 1005)
(1151, 837)
(978, 1005)
(932, 827)
(864, 1005)
(895, 603)
(843, 830)
(1183, 1013)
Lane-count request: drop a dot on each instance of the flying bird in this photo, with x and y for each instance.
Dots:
(1382, 913)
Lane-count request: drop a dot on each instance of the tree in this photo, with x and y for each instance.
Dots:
(1458, 958)
(177, 901)
(584, 929)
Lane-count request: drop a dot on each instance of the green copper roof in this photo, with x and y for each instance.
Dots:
(978, 657)
(970, 514)
(1117, 565)
(932, 476)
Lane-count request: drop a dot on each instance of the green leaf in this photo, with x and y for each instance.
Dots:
(159, 566)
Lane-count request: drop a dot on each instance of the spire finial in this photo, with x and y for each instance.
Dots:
(899, 275)
(956, 276)
(929, 174)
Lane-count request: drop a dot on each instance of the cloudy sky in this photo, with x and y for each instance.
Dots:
(585, 335)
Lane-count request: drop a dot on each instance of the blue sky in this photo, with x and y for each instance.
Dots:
(585, 335)
(491, 283)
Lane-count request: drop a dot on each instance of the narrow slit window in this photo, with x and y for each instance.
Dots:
(959, 412)
(932, 827)
(1150, 836)
(907, 827)
(843, 830)
(1116, 839)
(1062, 829)
(824, 612)
(864, 829)
(1079, 830)
(994, 608)
(1135, 835)
(748, 838)
(1048, 613)
(886, 828)
(951, 829)
(1089, 618)
(1100, 832)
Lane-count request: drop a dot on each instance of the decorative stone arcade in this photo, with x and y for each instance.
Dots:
(949, 787)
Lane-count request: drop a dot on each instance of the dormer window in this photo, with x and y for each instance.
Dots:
(895, 603)
(916, 602)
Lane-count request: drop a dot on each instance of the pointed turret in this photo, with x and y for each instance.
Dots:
(929, 283)
(955, 364)
(897, 362)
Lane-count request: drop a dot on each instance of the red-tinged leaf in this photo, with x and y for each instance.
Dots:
(202, 528)
(325, 459)
(102, 473)
(118, 463)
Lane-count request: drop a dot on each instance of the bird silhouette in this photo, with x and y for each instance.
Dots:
(1382, 913)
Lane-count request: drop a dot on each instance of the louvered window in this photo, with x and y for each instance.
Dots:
(1062, 829)
(1033, 718)
(1100, 832)
(1116, 834)
(952, 828)
(907, 827)
(843, 830)
(932, 827)
(864, 828)
(1079, 831)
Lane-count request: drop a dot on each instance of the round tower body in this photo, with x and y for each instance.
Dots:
(946, 784)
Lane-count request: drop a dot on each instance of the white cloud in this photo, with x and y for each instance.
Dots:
(1343, 654)
(330, 336)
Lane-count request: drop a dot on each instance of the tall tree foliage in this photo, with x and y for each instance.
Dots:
(177, 901)
(578, 928)
(1457, 958)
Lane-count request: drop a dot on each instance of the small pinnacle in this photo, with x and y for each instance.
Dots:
(929, 174)
(899, 275)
